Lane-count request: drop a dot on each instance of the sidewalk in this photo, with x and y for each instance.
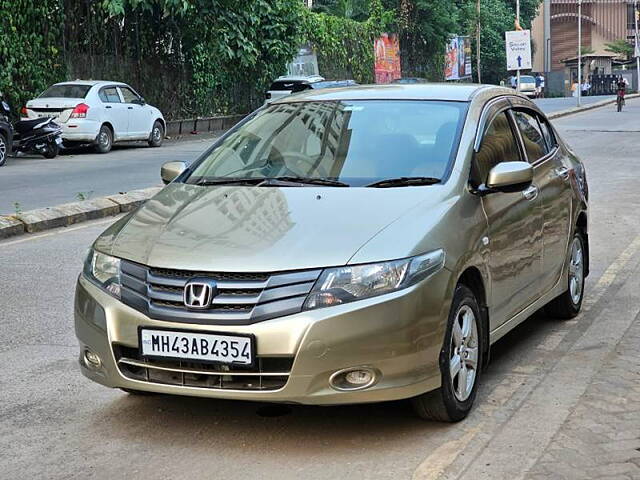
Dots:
(601, 437)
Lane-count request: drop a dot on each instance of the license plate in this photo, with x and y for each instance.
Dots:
(205, 347)
(47, 115)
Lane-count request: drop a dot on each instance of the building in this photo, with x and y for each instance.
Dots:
(555, 30)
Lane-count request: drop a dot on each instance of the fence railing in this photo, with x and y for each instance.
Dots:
(202, 125)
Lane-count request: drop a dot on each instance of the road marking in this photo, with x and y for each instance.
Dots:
(59, 231)
(434, 465)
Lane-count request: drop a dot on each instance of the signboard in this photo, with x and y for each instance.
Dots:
(458, 59)
(518, 44)
(387, 57)
(305, 62)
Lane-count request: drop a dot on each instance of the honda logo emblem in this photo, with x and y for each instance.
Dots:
(199, 292)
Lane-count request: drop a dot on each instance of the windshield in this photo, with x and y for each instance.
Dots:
(527, 79)
(355, 142)
(66, 91)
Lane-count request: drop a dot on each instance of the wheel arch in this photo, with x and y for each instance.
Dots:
(113, 132)
(582, 227)
(472, 278)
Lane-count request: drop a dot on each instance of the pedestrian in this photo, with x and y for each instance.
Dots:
(541, 94)
(586, 87)
(538, 83)
(513, 81)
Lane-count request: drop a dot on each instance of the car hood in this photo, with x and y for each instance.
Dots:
(231, 228)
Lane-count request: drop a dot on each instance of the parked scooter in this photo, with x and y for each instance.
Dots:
(40, 135)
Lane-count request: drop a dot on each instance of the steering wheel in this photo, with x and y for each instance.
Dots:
(302, 166)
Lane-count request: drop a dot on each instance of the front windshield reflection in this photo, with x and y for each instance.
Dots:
(355, 142)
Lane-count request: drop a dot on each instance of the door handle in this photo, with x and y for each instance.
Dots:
(129, 108)
(530, 193)
(563, 172)
(108, 106)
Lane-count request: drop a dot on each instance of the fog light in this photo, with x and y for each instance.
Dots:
(92, 360)
(357, 378)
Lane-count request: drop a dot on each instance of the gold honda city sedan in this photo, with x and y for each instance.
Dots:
(342, 246)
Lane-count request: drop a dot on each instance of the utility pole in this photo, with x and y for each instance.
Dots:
(518, 26)
(478, 41)
(579, 87)
(636, 50)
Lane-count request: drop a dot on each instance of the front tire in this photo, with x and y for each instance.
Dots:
(157, 134)
(568, 304)
(104, 141)
(460, 363)
(4, 149)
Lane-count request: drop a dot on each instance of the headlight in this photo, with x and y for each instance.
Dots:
(347, 284)
(104, 271)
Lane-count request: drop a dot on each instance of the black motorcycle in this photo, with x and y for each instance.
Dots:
(40, 135)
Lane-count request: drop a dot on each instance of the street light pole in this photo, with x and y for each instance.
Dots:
(478, 42)
(636, 50)
(518, 24)
(579, 87)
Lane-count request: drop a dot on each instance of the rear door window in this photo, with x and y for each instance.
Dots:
(109, 95)
(534, 142)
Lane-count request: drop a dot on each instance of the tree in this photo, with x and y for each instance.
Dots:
(352, 9)
(620, 47)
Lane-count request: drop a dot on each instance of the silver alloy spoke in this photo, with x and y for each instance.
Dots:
(457, 333)
(467, 320)
(462, 383)
(454, 365)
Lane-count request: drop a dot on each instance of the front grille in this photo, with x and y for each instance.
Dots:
(242, 298)
(270, 373)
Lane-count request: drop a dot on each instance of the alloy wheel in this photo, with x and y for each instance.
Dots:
(463, 363)
(3, 150)
(156, 134)
(576, 271)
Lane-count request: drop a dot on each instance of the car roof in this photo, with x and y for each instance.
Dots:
(299, 78)
(90, 82)
(461, 92)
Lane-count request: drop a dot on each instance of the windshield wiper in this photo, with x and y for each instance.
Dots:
(404, 182)
(229, 181)
(287, 180)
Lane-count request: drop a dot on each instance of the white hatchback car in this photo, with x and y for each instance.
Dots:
(98, 112)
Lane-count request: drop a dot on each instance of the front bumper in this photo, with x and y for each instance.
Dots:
(399, 335)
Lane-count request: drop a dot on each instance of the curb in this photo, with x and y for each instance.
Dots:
(67, 214)
(584, 108)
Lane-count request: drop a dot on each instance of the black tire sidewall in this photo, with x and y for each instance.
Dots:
(99, 146)
(52, 151)
(456, 409)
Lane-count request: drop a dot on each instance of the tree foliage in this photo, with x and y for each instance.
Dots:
(621, 48)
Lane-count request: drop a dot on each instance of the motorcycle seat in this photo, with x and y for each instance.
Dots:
(24, 126)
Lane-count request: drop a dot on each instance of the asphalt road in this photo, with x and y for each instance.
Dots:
(55, 424)
(30, 181)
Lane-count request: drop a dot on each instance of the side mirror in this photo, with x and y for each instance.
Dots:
(509, 177)
(171, 170)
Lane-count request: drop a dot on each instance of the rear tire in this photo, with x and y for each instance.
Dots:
(4, 149)
(568, 304)
(52, 150)
(104, 141)
(460, 363)
(157, 134)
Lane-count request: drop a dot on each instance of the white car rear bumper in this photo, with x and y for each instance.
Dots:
(80, 130)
